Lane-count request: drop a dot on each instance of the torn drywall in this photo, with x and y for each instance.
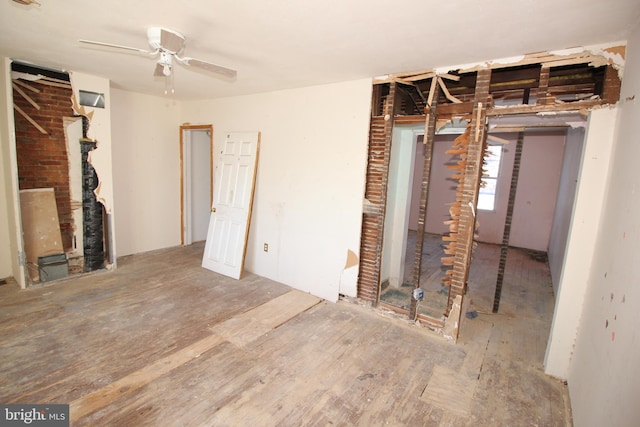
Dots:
(349, 277)
(452, 323)
(596, 55)
(99, 131)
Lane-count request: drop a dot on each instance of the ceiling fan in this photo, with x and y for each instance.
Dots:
(168, 45)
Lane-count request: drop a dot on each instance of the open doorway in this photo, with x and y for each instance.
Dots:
(401, 224)
(541, 211)
(196, 181)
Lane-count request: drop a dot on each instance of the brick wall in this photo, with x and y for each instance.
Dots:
(376, 196)
(42, 159)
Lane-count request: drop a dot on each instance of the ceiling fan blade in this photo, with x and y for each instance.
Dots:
(207, 66)
(117, 46)
(171, 41)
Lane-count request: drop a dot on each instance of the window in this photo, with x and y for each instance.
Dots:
(487, 196)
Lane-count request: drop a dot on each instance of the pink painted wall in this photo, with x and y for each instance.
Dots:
(442, 189)
(540, 172)
(538, 182)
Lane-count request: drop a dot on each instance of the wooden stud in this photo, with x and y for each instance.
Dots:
(468, 188)
(446, 92)
(54, 84)
(26, 86)
(30, 120)
(457, 108)
(429, 138)
(449, 77)
(25, 96)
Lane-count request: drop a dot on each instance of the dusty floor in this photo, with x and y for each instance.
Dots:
(161, 341)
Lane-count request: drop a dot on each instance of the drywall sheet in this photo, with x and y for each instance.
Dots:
(41, 227)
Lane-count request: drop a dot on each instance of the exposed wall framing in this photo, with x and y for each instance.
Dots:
(376, 192)
(535, 83)
(429, 137)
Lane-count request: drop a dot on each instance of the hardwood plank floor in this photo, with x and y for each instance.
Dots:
(162, 341)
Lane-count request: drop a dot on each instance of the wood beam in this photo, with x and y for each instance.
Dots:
(455, 109)
(446, 92)
(25, 96)
(30, 120)
(26, 86)
(557, 107)
(429, 138)
(468, 189)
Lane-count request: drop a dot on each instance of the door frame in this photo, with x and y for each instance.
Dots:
(184, 140)
(16, 240)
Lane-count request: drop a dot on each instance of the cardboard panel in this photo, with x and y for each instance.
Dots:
(41, 227)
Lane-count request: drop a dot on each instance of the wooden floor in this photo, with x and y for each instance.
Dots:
(161, 341)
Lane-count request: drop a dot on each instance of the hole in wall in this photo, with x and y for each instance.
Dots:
(62, 229)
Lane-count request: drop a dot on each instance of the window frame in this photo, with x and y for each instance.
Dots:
(498, 173)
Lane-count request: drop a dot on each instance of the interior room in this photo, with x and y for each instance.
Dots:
(277, 214)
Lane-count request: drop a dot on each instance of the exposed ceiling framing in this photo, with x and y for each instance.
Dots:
(541, 82)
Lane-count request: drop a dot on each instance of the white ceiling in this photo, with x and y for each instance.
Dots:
(279, 44)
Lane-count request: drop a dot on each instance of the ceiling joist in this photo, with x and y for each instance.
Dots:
(534, 83)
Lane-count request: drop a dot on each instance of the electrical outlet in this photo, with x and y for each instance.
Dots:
(266, 247)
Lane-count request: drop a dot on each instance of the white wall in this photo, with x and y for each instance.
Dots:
(590, 198)
(310, 180)
(9, 245)
(571, 160)
(604, 376)
(146, 171)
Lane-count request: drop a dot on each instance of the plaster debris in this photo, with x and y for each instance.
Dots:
(451, 325)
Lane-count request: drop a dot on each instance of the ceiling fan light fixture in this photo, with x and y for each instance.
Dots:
(165, 61)
(167, 44)
(168, 84)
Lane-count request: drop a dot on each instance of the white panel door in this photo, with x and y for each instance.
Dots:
(234, 179)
